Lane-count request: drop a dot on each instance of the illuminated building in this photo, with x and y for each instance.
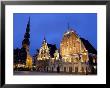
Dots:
(29, 61)
(73, 52)
(44, 51)
(47, 58)
(73, 56)
(72, 48)
(43, 57)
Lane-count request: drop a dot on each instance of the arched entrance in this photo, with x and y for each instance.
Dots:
(58, 69)
(64, 69)
(47, 69)
(70, 69)
(76, 69)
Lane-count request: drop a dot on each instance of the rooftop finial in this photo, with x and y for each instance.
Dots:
(68, 26)
(44, 39)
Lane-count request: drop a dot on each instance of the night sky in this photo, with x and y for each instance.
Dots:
(53, 26)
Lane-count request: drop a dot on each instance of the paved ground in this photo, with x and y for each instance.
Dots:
(42, 73)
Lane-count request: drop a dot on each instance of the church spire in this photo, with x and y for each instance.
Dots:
(68, 26)
(28, 26)
(27, 35)
(44, 39)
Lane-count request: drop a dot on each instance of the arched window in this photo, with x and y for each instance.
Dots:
(76, 69)
(70, 69)
(64, 69)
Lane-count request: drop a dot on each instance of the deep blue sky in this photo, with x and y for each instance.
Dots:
(53, 26)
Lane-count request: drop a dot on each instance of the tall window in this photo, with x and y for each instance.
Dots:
(74, 44)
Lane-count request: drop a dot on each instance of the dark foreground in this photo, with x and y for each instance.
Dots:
(46, 73)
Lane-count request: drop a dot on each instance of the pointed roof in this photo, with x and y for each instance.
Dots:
(28, 26)
(44, 39)
(69, 29)
(88, 46)
(28, 22)
(52, 48)
(27, 35)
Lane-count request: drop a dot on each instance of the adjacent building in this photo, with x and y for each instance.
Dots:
(45, 60)
(73, 52)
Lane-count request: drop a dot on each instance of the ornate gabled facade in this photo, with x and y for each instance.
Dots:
(73, 53)
(42, 60)
(45, 61)
(44, 51)
(72, 48)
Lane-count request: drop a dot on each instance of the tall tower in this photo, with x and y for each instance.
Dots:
(26, 44)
